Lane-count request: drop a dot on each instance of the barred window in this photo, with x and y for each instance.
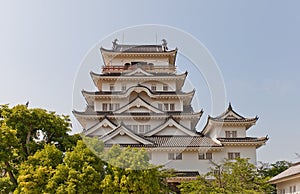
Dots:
(165, 87)
(205, 156)
(233, 155)
(175, 156)
(230, 134)
(104, 106)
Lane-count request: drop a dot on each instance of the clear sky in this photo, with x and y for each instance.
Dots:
(256, 45)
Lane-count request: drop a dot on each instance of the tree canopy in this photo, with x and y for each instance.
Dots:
(24, 131)
(231, 177)
(37, 155)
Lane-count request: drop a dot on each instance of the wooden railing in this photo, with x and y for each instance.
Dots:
(119, 69)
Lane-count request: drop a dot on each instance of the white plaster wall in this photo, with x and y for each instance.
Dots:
(190, 161)
(245, 152)
(287, 184)
(220, 131)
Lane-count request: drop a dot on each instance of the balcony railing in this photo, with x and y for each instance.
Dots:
(120, 69)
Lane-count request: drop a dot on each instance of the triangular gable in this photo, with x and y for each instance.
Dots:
(171, 127)
(229, 114)
(100, 128)
(138, 105)
(122, 135)
(139, 72)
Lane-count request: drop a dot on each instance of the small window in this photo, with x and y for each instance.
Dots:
(117, 106)
(165, 87)
(112, 87)
(160, 106)
(172, 107)
(153, 87)
(208, 156)
(135, 128)
(233, 155)
(178, 156)
(166, 107)
(291, 189)
(205, 156)
(230, 134)
(104, 107)
(294, 188)
(175, 156)
(147, 128)
(201, 156)
(111, 107)
(141, 129)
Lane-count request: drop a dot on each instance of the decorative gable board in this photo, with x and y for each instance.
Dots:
(171, 127)
(101, 131)
(138, 105)
(122, 139)
(100, 128)
(171, 131)
(231, 115)
(138, 72)
(123, 134)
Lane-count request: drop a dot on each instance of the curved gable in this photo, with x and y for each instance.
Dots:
(171, 128)
(100, 128)
(122, 135)
(138, 105)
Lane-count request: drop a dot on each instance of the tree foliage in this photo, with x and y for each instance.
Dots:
(37, 155)
(229, 178)
(129, 171)
(24, 131)
(270, 170)
(124, 170)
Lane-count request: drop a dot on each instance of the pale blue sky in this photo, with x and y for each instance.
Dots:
(255, 43)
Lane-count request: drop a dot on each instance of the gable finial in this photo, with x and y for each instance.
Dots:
(164, 45)
(229, 106)
(115, 43)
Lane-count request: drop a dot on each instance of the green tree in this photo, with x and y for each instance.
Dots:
(8, 153)
(25, 130)
(38, 169)
(81, 172)
(229, 178)
(270, 170)
(129, 171)
(35, 126)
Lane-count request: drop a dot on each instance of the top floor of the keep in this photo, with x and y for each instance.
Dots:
(152, 58)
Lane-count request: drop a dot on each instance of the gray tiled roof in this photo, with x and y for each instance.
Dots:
(177, 141)
(245, 139)
(293, 170)
(138, 48)
(182, 141)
